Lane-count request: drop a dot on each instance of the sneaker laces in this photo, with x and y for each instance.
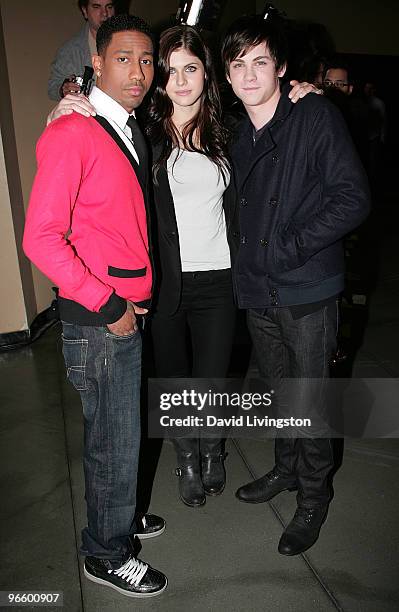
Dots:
(132, 571)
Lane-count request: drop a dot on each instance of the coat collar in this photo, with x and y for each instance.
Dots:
(283, 110)
(284, 106)
(245, 154)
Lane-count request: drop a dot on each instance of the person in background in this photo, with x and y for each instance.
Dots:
(338, 84)
(86, 229)
(337, 75)
(77, 52)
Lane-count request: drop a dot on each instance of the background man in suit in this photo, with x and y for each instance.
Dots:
(301, 190)
(76, 53)
(86, 229)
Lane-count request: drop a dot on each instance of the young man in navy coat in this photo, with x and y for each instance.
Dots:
(301, 190)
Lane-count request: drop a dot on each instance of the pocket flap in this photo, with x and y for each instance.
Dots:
(124, 273)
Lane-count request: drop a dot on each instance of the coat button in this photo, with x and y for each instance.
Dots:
(272, 293)
(264, 242)
(243, 202)
(275, 159)
(243, 240)
(273, 201)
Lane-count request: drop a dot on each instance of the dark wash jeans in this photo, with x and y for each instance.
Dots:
(106, 370)
(301, 349)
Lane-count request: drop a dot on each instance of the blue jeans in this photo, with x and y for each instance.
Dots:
(106, 370)
(299, 349)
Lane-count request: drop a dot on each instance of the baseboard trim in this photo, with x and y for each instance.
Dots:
(44, 320)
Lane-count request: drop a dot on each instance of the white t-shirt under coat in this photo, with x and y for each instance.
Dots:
(197, 188)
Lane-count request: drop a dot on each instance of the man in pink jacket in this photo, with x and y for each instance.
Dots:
(86, 229)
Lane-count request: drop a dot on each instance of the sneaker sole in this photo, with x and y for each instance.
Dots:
(122, 591)
(154, 534)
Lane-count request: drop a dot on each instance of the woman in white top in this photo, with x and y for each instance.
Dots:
(194, 321)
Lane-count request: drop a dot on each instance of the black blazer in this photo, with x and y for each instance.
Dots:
(166, 246)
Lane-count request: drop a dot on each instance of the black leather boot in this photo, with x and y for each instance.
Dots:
(280, 478)
(191, 490)
(303, 531)
(212, 466)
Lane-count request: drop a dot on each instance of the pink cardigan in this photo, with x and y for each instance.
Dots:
(86, 225)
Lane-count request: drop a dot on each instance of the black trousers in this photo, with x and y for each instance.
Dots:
(299, 349)
(196, 341)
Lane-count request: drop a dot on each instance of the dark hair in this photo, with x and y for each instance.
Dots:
(206, 127)
(336, 64)
(120, 6)
(250, 31)
(120, 23)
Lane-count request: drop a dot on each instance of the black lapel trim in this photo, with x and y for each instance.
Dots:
(115, 136)
(230, 200)
(165, 197)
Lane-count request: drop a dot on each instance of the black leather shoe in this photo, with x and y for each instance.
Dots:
(132, 578)
(303, 531)
(266, 487)
(191, 490)
(149, 526)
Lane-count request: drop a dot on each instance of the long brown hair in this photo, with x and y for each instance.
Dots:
(204, 133)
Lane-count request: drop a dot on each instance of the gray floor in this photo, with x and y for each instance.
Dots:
(224, 555)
